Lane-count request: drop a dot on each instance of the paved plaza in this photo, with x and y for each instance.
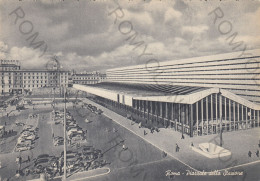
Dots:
(166, 140)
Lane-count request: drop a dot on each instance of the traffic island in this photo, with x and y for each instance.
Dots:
(211, 150)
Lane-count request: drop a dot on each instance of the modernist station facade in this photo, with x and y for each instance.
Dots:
(195, 96)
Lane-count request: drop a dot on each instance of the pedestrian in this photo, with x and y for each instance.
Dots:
(257, 153)
(124, 147)
(176, 148)
(28, 159)
(164, 154)
(144, 132)
(182, 136)
(192, 144)
(249, 154)
(20, 162)
(140, 124)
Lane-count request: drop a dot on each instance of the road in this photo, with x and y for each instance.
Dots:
(140, 161)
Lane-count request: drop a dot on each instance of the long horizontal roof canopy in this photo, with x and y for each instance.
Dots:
(162, 93)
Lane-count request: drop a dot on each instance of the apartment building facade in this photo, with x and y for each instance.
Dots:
(13, 79)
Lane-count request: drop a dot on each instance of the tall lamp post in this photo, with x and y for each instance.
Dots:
(65, 153)
(221, 130)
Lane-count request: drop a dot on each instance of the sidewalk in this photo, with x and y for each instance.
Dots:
(238, 142)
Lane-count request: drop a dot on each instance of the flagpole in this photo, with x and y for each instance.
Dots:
(65, 154)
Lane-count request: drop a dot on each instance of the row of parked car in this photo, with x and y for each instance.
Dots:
(74, 131)
(27, 138)
(93, 108)
(85, 158)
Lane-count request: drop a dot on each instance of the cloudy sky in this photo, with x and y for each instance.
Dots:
(85, 36)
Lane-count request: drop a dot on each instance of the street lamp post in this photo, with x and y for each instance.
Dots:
(65, 154)
(221, 131)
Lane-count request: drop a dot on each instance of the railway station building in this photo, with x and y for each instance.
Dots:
(195, 96)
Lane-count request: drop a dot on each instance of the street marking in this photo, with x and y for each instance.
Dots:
(108, 171)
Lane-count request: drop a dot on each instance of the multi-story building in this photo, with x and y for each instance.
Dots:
(88, 78)
(14, 79)
(196, 96)
(9, 76)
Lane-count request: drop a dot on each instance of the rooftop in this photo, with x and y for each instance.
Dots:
(149, 89)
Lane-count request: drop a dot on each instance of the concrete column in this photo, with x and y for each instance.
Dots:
(207, 114)
(202, 118)
(254, 117)
(161, 113)
(166, 113)
(229, 105)
(139, 107)
(238, 115)
(234, 114)
(197, 116)
(250, 117)
(242, 119)
(216, 108)
(157, 110)
(191, 120)
(173, 113)
(220, 112)
(187, 114)
(220, 107)
(211, 110)
(182, 121)
(148, 109)
(258, 118)
(246, 119)
(179, 111)
(225, 109)
(152, 113)
(144, 107)
(250, 114)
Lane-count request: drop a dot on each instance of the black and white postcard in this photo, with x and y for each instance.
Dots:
(129, 90)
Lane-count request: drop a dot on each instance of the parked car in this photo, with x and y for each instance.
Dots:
(99, 111)
(22, 147)
(30, 137)
(19, 124)
(76, 136)
(25, 142)
(27, 133)
(58, 141)
(43, 156)
(27, 127)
